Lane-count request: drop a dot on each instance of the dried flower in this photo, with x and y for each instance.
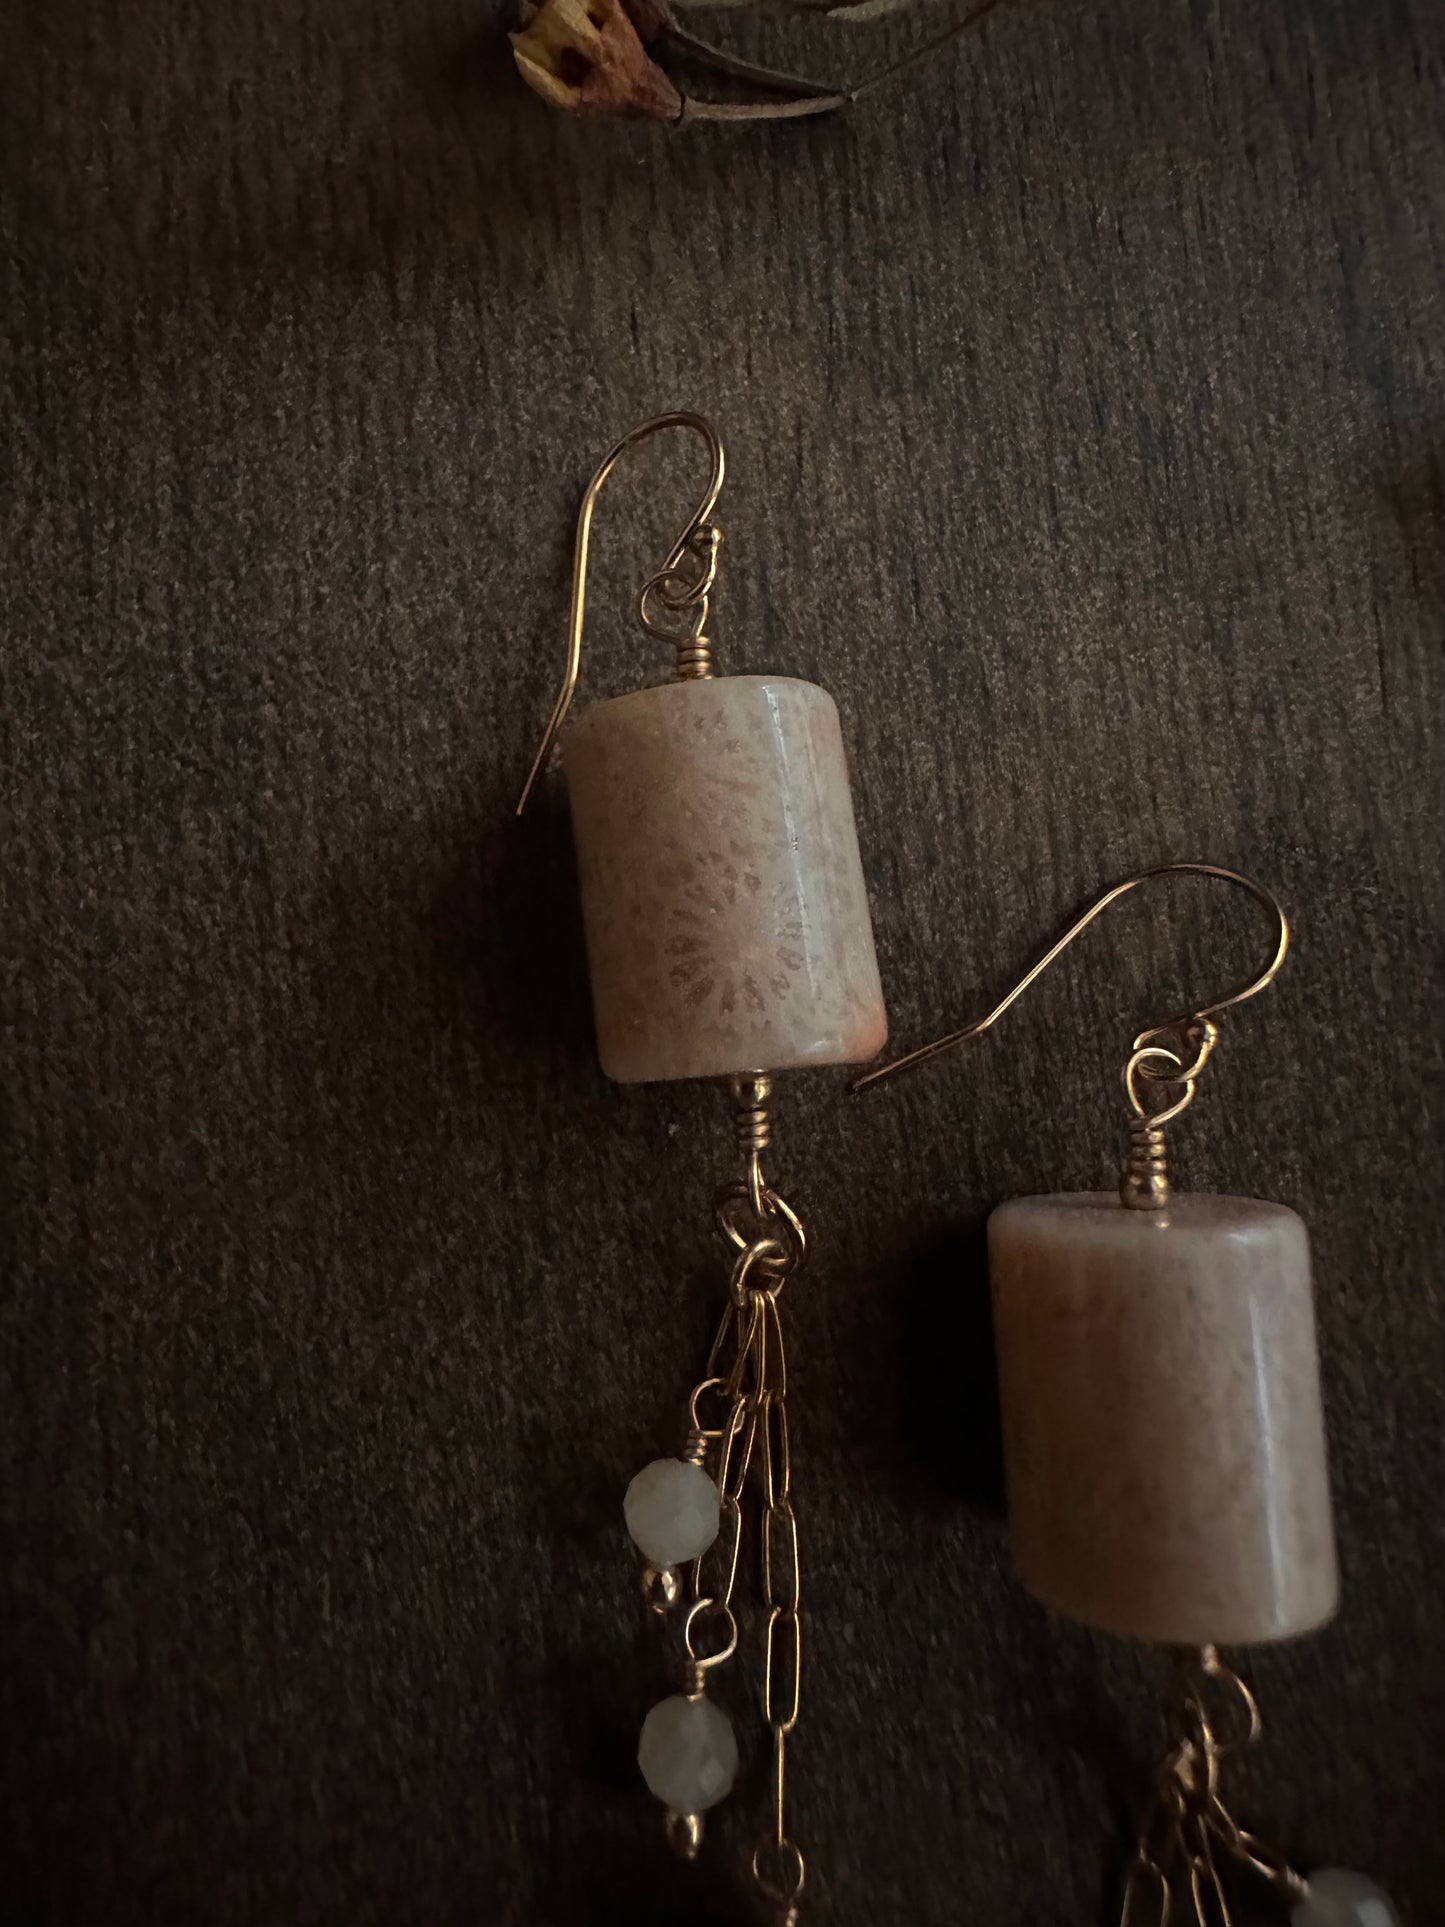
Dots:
(587, 56)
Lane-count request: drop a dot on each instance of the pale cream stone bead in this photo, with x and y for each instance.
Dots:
(1163, 1439)
(722, 893)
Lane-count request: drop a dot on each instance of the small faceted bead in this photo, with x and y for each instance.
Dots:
(1335, 1897)
(672, 1511)
(688, 1754)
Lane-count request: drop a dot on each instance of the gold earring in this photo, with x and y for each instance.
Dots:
(728, 936)
(1164, 1443)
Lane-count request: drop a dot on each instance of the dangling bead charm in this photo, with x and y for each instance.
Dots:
(1335, 1897)
(688, 1753)
(672, 1511)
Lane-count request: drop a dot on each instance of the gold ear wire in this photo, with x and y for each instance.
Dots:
(1190, 1022)
(668, 585)
(1172, 1052)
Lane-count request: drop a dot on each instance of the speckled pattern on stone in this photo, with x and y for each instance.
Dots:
(722, 892)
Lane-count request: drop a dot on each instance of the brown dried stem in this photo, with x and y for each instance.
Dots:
(589, 56)
(813, 99)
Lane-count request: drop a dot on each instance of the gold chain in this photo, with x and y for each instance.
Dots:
(1210, 1713)
(746, 1387)
(777, 1863)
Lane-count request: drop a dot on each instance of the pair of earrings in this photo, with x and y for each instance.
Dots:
(1159, 1385)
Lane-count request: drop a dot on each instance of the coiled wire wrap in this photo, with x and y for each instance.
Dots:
(1177, 1066)
(684, 603)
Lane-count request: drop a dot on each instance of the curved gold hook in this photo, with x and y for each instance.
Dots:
(1202, 1015)
(579, 561)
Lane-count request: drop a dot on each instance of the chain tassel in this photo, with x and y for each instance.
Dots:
(746, 1384)
(1190, 1829)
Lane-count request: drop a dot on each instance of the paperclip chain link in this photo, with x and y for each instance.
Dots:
(777, 1864)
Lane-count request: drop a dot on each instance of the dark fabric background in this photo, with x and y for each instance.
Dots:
(1083, 405)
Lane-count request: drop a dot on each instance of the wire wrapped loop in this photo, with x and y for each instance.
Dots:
(1175, 1066)
(673, 604)
(718, 1648)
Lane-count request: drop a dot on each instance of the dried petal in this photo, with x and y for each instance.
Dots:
(585, 56)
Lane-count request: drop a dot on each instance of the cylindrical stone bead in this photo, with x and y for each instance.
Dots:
(722, 893)
(1163, 1439)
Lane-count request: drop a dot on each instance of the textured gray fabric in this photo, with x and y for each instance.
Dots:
(1083, 409)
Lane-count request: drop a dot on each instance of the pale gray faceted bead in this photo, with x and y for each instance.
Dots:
(688, 1754)
(672, 1511)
